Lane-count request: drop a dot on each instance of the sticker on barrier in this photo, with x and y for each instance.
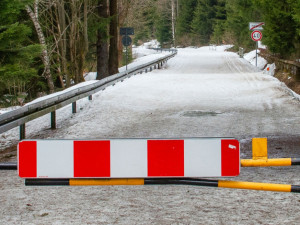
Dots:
(129, 158)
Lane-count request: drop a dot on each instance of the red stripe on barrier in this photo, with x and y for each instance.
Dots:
(27, 155)
(91, 158)
(230, 158)
(165, 158)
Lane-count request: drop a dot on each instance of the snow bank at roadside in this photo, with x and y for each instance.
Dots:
(142, 54)
(251, 57)
(145, 49)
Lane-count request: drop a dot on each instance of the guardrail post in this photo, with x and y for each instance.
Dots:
(158, 66)
(150, 68)
(22, 131)
(73, 107)
(90, 97)
(53, 120)
(155, 66)
(146, 70)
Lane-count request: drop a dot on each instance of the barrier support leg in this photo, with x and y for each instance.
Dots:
(259, 148)
(53, 120)
(90, 97)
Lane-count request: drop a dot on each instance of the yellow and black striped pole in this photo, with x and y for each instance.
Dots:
(167, 181)
(270, 162)
(260, 156)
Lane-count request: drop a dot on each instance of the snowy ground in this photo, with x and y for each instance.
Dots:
(198, 93)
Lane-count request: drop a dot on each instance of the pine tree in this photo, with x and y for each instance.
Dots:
(185, 17)
(219, 22)
(163, 24)
(202, 24)
(239, 14)
(17, 53)
(280, 31)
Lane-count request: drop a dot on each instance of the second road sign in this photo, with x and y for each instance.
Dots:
(126, 41)
(256, 35)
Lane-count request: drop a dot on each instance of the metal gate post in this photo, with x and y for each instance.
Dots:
(73, 107)
(53, 120)
(22, 131)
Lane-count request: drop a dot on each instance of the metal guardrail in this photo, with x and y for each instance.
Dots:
(32, 111)
(165, 49)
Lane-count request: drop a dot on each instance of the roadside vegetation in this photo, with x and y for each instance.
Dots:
(46, 46)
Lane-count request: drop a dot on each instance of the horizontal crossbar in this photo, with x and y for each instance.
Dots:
(166, 181)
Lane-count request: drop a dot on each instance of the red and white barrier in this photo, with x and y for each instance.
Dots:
(129, 158)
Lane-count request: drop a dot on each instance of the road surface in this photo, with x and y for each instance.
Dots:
(199, 93)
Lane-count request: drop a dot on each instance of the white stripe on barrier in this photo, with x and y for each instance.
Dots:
(55, 158)
(128, 158)
(202, 159)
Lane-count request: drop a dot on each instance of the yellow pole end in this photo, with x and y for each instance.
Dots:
(255, 186)
(266, 162)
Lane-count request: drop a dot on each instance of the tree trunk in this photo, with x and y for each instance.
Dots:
(63, 39)
(85, 26)
(113, 62)
(123, 8)
(102, 41)
(173, 22)
(41, 37)
(177, 14)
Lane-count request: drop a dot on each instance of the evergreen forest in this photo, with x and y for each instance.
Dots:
(46, 46)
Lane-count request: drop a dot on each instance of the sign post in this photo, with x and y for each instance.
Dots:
(126, 40)
(256, 35)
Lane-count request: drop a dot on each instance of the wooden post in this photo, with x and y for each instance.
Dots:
(74, 107)
(53, 120)
(22, 131)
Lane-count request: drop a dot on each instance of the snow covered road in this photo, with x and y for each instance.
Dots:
(198, 93)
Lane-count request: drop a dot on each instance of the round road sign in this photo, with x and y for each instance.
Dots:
(256, 35)
(126, 40)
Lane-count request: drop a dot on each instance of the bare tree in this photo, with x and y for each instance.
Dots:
(173, 21)
(102, 41)
(33, 13)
